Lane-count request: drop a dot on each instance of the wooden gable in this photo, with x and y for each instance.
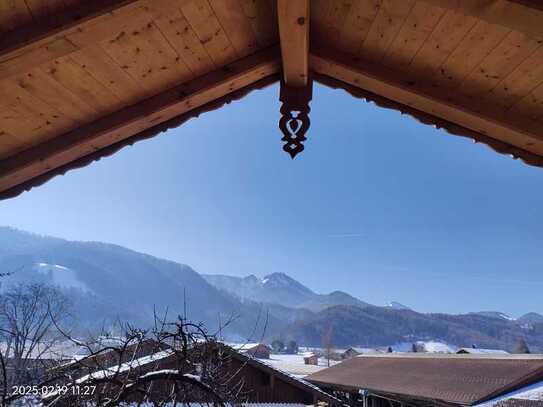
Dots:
(79, 79)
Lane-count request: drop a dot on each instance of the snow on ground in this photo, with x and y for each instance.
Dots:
(29, 402)
(61, 276)
(208, 405)
(438, 347)
(428, 346)
(298, 359)
(481, 351)
(294, 364)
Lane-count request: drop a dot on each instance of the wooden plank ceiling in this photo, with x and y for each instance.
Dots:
(77, 77)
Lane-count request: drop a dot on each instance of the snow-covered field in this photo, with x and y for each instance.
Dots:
(61, 276)
(294, 364)
(426, 346)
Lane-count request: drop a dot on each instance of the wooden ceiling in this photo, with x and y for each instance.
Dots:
(78, 78)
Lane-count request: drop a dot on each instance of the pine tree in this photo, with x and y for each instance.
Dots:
(292, 347)
(278, 346)
(521, 346)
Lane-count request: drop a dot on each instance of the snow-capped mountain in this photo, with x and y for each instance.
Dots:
(107, 281)
(397, 305)
(531, 318)
(60, 276)
(275, 288)
(281, 289)
(495, 314)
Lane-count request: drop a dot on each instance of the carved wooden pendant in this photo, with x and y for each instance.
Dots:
(294, 121)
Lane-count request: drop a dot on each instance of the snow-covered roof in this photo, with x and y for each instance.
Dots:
(437, 347)
(243, 347)
(293, 378)
(145, 360)
(533, 391)
(124, 367)
(295, 364)
(481, 351)
(366, 350)
(207, 405)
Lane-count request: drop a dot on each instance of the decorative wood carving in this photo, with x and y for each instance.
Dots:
(294, 121)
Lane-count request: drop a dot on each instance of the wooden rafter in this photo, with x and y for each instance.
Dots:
(137, 118)
(343, 69)
(77, 27)
(293, 16)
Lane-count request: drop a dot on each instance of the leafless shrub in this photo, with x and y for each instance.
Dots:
(27, 334)
(174, 363)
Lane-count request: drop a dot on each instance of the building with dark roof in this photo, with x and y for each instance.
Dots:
(417, 379)
(481, 351)
(262, 383)
(528, 396)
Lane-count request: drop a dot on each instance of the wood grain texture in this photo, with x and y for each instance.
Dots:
(417, 28)
(262, 15)
(293, 19)
(178, 32)
(480, 41)
(105, 70)
(13, 14)
(356, 26)
(207, 27)
(132, 120)
(388, 85)
(21, 51)
(236, 25)
(384, 29)
(449, 32)
(522, 16)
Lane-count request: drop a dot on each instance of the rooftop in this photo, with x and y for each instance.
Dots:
(460, 379)
(80, 81)
(531, 395)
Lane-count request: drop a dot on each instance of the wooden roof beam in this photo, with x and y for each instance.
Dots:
(86, 23)
(524, 16)
(293, 19)
(388, 85)
(132, 120)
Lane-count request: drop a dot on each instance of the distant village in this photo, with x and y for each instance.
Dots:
(275, 374)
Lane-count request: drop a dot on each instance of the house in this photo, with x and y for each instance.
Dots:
(256, 350)
(68, 50)
(355, 351)
(85, 363)
(292, 364)
(481, 351)
(310, 358)
(350, 353)
(527, 396)
(262, 383)
(414, 379)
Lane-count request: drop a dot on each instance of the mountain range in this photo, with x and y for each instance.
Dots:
(279, 288)
(105, 282)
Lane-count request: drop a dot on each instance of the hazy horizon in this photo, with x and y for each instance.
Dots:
(378, 205)
(261, 276)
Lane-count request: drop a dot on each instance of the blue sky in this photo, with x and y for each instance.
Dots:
(377, 205)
